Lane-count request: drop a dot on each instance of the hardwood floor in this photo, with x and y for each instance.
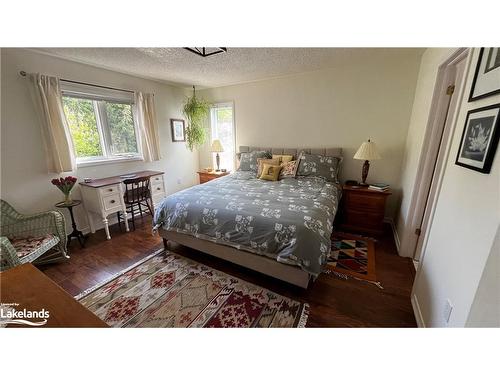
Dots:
(333, 302)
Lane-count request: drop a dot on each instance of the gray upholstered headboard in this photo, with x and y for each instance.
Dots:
(331, 151)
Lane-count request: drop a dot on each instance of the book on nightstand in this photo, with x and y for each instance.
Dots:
(379, 187)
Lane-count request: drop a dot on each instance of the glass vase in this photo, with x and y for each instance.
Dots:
(67, 198)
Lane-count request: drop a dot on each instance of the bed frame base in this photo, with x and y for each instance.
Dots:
(290, 274)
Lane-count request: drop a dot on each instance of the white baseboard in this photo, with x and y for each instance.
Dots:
(394, 233)
(417, 312)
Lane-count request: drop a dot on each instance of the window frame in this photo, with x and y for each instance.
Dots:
(223, 105)
(99, 104)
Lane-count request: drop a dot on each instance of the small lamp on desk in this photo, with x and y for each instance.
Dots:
(367, 151)
(217, 147)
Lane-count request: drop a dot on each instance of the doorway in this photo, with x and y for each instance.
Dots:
(431, 165)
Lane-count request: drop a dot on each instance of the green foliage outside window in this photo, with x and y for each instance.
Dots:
(224, 114)
(83, 126)
(121, 127)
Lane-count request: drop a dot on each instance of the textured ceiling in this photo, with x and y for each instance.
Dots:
(183, 68)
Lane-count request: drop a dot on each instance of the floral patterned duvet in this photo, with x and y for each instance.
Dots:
(288, 220)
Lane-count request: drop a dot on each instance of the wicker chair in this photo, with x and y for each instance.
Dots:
(28, 238)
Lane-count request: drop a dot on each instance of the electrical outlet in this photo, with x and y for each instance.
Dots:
(448, 307)
(179, 182)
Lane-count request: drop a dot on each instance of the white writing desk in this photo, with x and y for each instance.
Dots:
(104, 196)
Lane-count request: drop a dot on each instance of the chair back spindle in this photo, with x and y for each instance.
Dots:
(136, 189)
(137, 197)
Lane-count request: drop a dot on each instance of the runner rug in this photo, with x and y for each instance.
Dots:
(352, 255)
(168, 290)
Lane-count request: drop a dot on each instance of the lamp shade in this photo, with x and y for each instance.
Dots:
(367, 151)
(217, 146)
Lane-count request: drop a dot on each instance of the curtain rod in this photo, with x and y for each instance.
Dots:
(23, 73)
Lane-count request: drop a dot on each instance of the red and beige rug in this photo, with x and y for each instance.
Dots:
(168, 290)
(352, 255)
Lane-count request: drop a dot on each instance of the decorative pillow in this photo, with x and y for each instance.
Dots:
(270, 172)
(248, 160)
(283, 158)
(326, 167)
(288, 169)
(262, 161)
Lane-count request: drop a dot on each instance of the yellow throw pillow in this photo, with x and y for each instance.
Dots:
(270, 172)
(283, 158)
(262, 161)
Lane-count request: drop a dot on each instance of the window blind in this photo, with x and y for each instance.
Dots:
(83, 91)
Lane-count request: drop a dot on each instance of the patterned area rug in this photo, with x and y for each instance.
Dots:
(168, 290)
(353, 256)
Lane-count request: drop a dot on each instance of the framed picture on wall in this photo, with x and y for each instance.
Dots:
(479, 139)
(487, 77)
(178, 130)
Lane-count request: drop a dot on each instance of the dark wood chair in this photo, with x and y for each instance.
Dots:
(137, 198)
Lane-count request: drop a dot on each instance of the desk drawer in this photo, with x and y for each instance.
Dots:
(109, 190)
(112, 202)
(157, 189)
(156, 180)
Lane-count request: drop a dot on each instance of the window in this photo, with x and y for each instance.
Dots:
(222, 128)
(101, 123)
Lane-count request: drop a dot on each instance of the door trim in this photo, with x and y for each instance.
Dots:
(431, 144)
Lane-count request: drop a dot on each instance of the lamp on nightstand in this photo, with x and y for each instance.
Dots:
(367, 151)
(217, 147)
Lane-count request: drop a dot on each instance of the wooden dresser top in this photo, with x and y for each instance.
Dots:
(364, 189)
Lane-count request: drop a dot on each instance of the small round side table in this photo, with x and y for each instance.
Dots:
(76, 233)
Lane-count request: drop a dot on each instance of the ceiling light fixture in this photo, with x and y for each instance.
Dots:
(206, 51)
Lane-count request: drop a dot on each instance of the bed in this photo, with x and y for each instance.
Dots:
(279, 228)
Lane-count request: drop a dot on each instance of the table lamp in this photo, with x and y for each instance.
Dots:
(367, 151)
(217, 147)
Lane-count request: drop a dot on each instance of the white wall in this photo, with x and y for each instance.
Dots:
(342, 106)
(485, 310)
(25, 182)
(462, 230)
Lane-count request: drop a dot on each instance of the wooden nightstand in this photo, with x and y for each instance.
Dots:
(209, 176)
(362, 209)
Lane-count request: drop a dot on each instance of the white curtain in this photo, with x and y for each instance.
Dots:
(46, 95)
(146, 117)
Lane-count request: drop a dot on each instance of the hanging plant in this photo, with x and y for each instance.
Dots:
(196, 111)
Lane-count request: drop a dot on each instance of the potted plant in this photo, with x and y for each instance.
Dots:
(196, 111)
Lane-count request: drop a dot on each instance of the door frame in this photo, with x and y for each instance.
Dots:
(434, 151)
